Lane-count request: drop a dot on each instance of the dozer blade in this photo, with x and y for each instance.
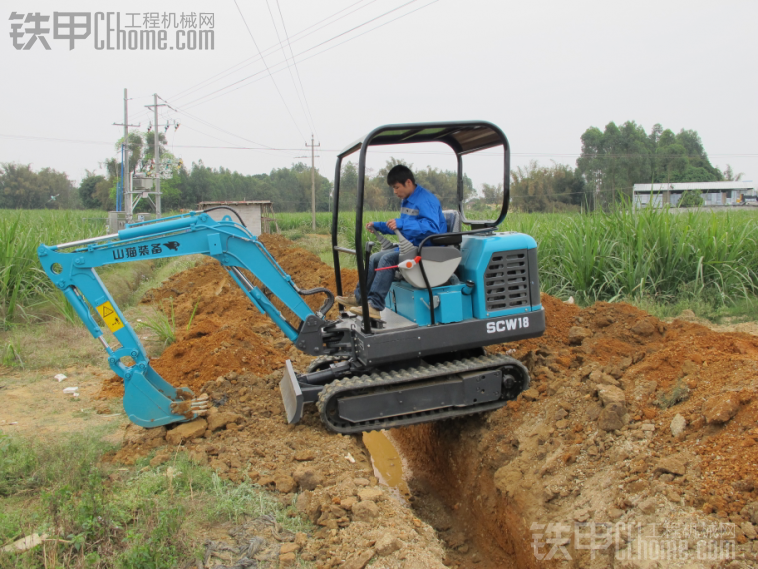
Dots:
(150, 401)
(292, 395)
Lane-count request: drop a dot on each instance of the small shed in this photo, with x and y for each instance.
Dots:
(258, 215)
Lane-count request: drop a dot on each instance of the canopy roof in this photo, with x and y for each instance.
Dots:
(463, 136)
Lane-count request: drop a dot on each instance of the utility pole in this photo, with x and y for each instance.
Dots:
(127, 182)
(313, 181)
(127, 185)
(157, 160)
(157, 157)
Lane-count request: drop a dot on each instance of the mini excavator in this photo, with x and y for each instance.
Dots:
(454, 294)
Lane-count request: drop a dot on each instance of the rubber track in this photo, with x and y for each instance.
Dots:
(386, 379)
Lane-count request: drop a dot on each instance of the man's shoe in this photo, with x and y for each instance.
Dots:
(372, 312)
(347, 300)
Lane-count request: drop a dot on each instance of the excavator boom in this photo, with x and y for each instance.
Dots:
(148, 399)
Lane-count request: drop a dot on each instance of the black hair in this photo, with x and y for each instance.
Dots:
(400, 174)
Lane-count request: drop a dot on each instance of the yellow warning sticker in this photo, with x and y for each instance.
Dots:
(110, 317)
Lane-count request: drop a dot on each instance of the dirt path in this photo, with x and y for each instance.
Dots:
(34, 403)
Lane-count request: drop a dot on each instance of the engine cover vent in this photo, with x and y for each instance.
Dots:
(506, 280)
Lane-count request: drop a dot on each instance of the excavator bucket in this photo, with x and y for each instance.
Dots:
(150, 401)
(292, 395)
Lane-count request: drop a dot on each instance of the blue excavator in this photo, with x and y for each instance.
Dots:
(424, 360)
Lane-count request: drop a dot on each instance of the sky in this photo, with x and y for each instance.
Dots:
(283, 70)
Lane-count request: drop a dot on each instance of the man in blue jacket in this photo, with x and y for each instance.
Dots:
(420, 216)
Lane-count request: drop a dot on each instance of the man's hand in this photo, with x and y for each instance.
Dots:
(370, 227)
(391, 224)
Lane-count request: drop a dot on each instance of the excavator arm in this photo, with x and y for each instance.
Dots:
(149, 400)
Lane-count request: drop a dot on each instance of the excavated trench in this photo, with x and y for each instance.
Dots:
(434, 469)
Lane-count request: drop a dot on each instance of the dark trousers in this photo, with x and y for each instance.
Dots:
(379, 282)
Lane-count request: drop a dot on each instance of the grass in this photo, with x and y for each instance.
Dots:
(11, 354)
(97, 515)
(678, 393)
(162, 324)
(26, 294)
(702, 260)
(192, 316)
(36, 343)
(22, 281)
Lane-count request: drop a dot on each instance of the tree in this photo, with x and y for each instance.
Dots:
(22, 188)
(670, 161)
(288, 188)
(615, 159)
(87, 190)
(692, 198)
(105, 194)
(730, 176)
(18, 187)
(492, 195)
(58, 189)
(444, 184)
(149, 147)
(547, 188)
(348, 187)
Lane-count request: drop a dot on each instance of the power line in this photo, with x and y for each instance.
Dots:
(363, 24)
(301, 53)
(209, 135)
(295, 149)
(197, 101)
(66, 140)
(286, 106)
(286, 61)
(251, 60)
(294, 63)
(186, 113)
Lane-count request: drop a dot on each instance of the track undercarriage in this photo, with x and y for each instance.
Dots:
(400, 395)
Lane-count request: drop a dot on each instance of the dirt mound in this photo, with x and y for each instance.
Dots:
(665, 370)
(628, 419)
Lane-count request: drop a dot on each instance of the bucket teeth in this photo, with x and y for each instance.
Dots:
(190, 408)
(201, 405)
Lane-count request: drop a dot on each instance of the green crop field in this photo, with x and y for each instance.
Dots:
(22, 282)
(649, 255)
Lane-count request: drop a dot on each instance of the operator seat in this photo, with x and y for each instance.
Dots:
(440, 262)
(452, 219)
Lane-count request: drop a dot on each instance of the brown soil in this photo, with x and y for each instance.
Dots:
(482, 481)
(544, 458)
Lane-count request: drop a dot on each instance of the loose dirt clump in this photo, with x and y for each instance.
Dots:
(629, 420)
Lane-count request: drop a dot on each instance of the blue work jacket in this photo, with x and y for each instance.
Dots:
(420, 216)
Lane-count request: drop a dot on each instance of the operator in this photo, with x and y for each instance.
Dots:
(420, 217)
